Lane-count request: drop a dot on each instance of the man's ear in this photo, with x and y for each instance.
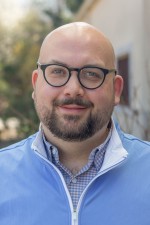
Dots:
(34, 78)
(118, 87)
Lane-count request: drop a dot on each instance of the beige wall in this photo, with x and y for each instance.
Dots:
(127, 24)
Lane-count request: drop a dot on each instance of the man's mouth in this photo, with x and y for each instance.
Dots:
(72, 109)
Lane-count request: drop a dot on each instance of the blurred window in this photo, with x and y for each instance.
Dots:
(123, 70)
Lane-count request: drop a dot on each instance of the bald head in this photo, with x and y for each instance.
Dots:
(78, 35)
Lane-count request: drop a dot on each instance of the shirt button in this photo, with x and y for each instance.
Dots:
(74, 180)
(54, 151)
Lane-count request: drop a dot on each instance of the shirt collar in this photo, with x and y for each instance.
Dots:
(97, 155)
(114, 149)
(115, 153)
(50, 152)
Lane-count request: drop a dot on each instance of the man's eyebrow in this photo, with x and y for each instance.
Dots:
(53, 61)
(64, 64)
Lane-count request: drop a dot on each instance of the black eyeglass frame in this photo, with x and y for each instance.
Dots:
(70, 69)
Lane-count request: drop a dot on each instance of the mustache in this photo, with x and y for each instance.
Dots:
(75, 101)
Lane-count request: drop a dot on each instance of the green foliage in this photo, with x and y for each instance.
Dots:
(16, 70)
(63, 14)
(19, 53)
(74, 5)
(58, 18)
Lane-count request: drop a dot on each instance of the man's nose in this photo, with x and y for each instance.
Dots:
(73, 87)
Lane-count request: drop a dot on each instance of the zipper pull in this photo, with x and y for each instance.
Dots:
(74, 217)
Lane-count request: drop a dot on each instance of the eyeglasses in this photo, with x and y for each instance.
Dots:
(90, 77)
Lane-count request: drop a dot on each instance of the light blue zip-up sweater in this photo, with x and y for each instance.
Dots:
(33, 191)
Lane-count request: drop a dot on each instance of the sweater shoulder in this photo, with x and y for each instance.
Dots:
(131, 142)
(18, 145)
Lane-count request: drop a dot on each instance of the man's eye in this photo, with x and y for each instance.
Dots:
(92, 74)
(58, 71)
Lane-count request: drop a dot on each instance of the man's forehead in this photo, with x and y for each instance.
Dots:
(77, 35)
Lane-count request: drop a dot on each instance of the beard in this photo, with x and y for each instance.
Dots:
(73, 128)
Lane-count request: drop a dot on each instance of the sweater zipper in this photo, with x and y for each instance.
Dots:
(74, 213)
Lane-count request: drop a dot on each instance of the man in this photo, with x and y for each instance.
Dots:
(80, 168)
